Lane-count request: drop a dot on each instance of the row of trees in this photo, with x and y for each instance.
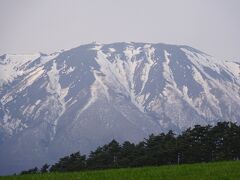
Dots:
(198, 144)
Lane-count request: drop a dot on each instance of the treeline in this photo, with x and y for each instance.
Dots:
(198, 144)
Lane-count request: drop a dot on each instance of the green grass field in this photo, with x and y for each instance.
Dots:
(203, 171)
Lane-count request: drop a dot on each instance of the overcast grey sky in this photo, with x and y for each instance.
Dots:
(28, 26)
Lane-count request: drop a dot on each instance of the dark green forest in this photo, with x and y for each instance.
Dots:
(194, 145)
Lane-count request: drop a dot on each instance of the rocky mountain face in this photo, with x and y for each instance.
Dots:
(52, 105)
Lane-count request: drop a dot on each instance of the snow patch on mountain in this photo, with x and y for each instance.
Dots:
(233, 68)
(12, 66)
(47, 58)
(203, 60)
(167, 72)
(57, 95)
(33, 76)
(98, 90)
(10, 124)
(119, 74)
(149, 51)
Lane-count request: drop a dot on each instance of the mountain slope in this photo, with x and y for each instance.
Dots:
(77, 99)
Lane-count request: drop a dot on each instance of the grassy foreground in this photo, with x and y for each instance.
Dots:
(204, 171)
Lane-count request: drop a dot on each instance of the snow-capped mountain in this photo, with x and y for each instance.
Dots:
(52, 105)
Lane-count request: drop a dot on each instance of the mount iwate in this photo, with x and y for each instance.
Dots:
(78, 99)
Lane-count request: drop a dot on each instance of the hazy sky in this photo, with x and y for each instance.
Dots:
(28, 26)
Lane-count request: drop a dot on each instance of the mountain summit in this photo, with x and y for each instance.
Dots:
(78, 99)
